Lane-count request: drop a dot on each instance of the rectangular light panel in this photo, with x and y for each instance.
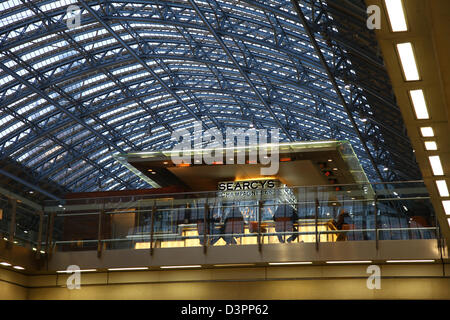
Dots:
(420, 106)
(436, 165)
(446, 204)
(442, 187)
(427, 132)
(396, 15)
(431, 145)
(408, 61)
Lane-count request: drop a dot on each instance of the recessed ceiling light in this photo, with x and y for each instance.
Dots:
(396, 14)
(442, 187)
(446, 204)
(128, 269)
(427, 132)
(339, 262)
(408, 61)
(180, 267)
(436, 165)
(19, 268)
(408, 261)
(72, 271)
(235, 265)
(431, 145)
(6, 264)
(420, 106)
(289, 263)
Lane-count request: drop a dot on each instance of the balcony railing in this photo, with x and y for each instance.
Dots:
(359, 212)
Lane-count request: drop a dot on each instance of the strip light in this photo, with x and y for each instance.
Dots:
(19, 268)
(289, 263)
(235, 265)
(420, 106)
(73, 271)
(6, 264)
(338, 262)
(180, 267)
(442, 188)
(409, 261)
(408, 61)
(128, 269)
(396, 15)
(436, 165)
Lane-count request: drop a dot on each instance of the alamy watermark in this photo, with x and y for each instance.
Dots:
(374, 17)
(73, 17)
(211, 147)
(374, 280)
(74, 280)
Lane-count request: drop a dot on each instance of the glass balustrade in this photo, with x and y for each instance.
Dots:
(318, 214)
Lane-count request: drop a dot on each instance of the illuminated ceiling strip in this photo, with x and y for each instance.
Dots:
(339, 262)
(289, 263)
(408, 61)
(436, 165)
(73, 271)
(420, 106)
(180, 267)
(128, 269)
(443, 188)
(431, 145)
(397, 16)
(427, 132)
(408, 261)
(446, 204)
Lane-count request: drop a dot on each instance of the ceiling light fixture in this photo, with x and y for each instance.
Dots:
(289, 263)
(436, 165)
(431, 145)
(442, 187)
(420, 106)
(408, 261)
(128, 269)
(427, 132)
(342, 262)
(180, 267)
(408, 61)
(396, 14)
(446, 204)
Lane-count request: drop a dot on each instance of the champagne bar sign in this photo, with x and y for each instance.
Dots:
(248, 189)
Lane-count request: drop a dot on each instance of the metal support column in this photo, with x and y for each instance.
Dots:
(205, 229)
(12, 225)
(39, 239)
(376, 221)
(152, 224)
(259, 225)
(316, 219)
(99, 240)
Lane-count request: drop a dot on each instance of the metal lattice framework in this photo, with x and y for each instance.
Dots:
(135, 71)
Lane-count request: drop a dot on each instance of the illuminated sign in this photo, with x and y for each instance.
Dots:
(248, 189)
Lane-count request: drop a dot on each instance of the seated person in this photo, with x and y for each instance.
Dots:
(199, 217)
(339, 223)
(284, 217)
(234, 223)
